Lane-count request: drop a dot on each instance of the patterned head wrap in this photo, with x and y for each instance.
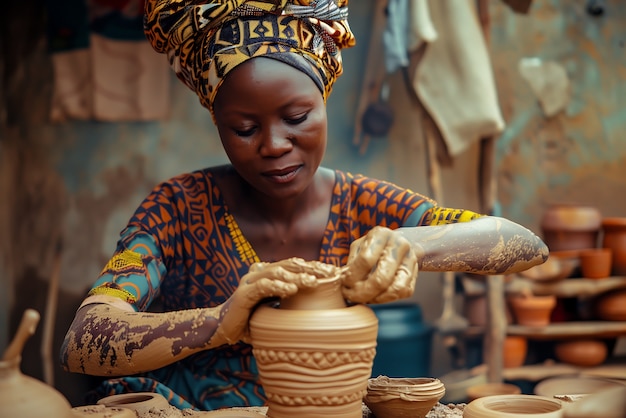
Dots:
(205, 39)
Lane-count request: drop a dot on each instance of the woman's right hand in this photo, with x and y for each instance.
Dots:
(264, 280)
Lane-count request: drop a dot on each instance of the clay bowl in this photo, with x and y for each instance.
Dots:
(140, 402)
(389, 397)
(575, 385)
(532, 310)
(490, 389)
(581, 352)
(514, 406)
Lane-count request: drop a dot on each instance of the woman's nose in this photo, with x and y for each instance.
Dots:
(276, 142)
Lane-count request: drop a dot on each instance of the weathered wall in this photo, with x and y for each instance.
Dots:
(80, 181)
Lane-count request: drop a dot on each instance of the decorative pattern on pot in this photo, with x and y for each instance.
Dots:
(314, 362)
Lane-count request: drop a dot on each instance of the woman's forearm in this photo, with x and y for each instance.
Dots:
(104, 340)
(487, 245)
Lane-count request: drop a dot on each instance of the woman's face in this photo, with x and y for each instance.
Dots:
(272, 123)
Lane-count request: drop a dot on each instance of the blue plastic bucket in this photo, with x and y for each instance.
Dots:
(404, 341)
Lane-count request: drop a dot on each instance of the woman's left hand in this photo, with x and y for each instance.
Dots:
(382, 267)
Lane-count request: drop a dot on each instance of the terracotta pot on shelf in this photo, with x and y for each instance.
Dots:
(614, 237)
(595, 263)
(532, 310)
(611, 306)
(314, 352)
(515, 349)
(571, 227)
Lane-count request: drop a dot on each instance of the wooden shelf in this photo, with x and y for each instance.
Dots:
(566, 288)
(571, 329)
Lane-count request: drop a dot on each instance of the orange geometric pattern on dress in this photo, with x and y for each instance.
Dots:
(242, 245)
(443, 216)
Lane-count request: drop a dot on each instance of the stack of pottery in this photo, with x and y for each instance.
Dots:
(571, 227)
(389, 397)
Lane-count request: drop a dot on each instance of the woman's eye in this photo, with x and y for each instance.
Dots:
(244, 132)
(296, 119)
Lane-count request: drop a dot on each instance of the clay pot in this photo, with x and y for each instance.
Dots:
(314, 353)
(514, 406)
(532, 310)
(139, 402)
(571, 227)
(614, 237)
(611, 306)
(514, 351)
(491, 389)
(595, 263)
(403, 397)
(22, 396)
(581, 352)
(574, 385)
(475, 310)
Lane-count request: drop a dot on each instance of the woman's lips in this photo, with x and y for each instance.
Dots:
(284, 175)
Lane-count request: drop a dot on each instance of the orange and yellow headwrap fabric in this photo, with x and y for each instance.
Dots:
(204, 39)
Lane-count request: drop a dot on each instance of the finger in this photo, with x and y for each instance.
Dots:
(404, 281)
(367, 255)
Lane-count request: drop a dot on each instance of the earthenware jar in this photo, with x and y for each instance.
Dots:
(314, 353)
(611, 306)
(571, 227)
(614, 237)
(22, 396)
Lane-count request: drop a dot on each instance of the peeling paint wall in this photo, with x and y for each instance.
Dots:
(83, 180)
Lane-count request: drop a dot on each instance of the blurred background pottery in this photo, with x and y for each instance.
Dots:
(532, 310)
(581, 352)
(514, 406)
(571, 227)
(575, 385)
(514, 350)
(611, 306)
(595, 263)
(491, 389)
(475, 310)
(389, 397)
(558, 266)
(614, 237)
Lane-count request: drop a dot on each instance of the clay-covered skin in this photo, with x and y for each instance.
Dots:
(487, 245)
(105, 340)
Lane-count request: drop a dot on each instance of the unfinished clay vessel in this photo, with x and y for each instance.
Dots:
(140, 402)
(514, 406)
(389, 397)
(314, 352)
(22, 396)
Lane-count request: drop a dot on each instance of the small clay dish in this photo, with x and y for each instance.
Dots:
(389, 397)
